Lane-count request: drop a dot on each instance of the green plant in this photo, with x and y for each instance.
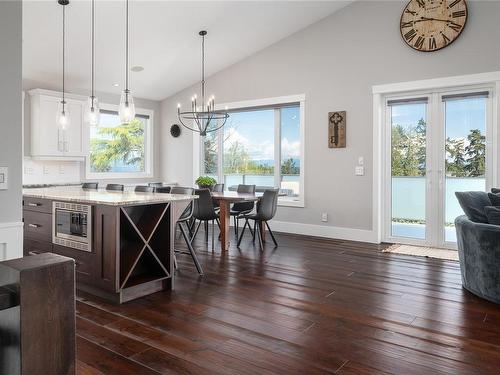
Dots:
(205, 181)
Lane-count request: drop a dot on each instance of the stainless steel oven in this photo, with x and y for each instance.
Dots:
(72, 223)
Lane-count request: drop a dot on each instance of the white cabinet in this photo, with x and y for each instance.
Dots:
(47, 140)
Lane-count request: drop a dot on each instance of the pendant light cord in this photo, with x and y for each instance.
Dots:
(63, 58)
(93, 59)
(126, 53)
(203, 71)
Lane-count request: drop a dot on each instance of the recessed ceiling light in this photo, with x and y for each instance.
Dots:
(137, 68)
(116, 84)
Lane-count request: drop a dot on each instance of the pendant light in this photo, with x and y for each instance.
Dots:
(92, 108)
(126, 110)
(63, 118)
(207, 119)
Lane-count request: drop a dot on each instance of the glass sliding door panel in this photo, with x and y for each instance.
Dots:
(465, 150)
(408, 169)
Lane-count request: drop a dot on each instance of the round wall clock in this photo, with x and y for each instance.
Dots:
(175, 130)
(430, 25)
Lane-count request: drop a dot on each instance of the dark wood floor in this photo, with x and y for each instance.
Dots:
(312, 306)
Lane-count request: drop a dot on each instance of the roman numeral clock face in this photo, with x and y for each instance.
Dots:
(429, 25)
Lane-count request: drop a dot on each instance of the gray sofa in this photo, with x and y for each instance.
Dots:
(479, 255)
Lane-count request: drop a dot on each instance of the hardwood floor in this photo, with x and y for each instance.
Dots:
(311, 306)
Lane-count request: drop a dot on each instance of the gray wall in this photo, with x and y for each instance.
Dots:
(335, 62)
(10, 108)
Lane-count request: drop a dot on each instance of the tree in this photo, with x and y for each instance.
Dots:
(124, 143)
(210, 153)
(289, 166)
(455, 157)
(475, 151)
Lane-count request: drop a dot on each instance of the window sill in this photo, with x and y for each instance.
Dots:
(287, 203)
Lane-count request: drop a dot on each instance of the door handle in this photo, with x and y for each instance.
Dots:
(34, 204)
(34, 225)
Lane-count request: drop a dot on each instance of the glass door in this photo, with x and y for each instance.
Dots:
(408, 168)
(438, 143)
(466, 119)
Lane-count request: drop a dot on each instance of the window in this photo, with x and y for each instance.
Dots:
(259, 145)
(118, 150)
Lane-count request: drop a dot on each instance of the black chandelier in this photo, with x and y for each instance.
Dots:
(205, 116)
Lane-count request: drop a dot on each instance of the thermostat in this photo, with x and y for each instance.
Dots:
(3, 177)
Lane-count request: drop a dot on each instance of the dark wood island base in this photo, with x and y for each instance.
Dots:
(132, 243)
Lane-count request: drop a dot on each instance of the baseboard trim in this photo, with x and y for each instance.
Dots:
(341, 233)
(11, 240)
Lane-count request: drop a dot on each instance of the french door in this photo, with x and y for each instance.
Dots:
(435, 144)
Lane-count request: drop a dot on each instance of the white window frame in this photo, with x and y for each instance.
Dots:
(489, 80)
(269, 103)
(149, 142)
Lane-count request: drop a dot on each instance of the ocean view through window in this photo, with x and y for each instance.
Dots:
(258, 146)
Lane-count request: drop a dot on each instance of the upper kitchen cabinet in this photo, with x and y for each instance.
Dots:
(47, 140)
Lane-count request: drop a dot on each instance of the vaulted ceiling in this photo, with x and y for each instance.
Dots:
(164, 39)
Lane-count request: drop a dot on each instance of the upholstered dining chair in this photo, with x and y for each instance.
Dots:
(115, 187)
(204, 211)
(239, 209)
(266, 209)
(90, 185)
(144, 189)
(163, 189)
(184, 220)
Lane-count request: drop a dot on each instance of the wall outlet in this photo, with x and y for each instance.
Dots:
(359, 171)
(28, 170)
(61, 169)
(324, 217)
(46, 169)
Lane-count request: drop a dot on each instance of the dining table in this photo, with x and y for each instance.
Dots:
(225, 199)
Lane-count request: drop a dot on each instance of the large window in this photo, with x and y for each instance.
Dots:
(117, 150)
(260, 146)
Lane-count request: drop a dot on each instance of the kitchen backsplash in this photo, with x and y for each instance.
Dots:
(51, 172)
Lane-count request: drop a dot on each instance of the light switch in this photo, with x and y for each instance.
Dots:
(4, 171)
(361, 160)
(359, 171)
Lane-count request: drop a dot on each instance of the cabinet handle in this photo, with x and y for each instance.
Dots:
(34, 225)
(34, 204)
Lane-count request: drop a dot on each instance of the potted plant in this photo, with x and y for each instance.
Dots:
(205, 182)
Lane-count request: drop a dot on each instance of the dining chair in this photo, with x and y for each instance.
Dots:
(204, 211)
(144, 189)
(239, 209)
(163, 189)
(90, 185)
(115, 187)
(155, 184)
(184, 219)
(266, 209)
(218, 188)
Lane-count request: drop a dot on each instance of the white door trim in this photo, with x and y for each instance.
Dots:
(380, 92)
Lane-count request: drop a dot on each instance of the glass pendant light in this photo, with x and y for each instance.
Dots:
(92, 112)
(63, 118)
(126, 110)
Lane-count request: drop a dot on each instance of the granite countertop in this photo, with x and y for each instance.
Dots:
(112, 198)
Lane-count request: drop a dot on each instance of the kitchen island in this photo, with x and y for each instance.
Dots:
(122, 242)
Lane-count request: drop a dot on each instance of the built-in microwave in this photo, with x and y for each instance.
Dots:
(72, 223)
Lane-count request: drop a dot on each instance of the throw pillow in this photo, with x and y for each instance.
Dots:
(473, 204)
(494, 198)
(493, 214)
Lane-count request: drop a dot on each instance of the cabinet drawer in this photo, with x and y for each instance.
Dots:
(37, 225)
(37, 204)
(83, 260)
(32, 247)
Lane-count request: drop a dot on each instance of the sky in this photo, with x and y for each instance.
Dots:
(461, 116)
(255, 130)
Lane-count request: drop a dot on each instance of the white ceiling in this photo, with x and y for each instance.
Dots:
(164, 39)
